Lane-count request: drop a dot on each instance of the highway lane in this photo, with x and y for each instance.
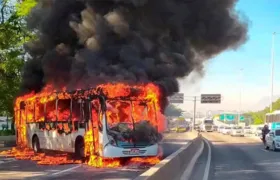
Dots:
(24, 169)
(174, 141)
(239, 158)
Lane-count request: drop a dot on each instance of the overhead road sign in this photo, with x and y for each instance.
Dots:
(227, 117)
(231, 117)
(210, 98)
(177, 98)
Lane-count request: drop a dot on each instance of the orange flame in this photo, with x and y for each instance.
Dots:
(145, 160)
(41, 158)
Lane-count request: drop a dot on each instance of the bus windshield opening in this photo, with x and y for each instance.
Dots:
(131, 122)
(208, 121)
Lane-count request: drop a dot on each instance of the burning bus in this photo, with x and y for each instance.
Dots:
(109, 121)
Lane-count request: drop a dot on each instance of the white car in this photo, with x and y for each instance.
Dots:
(226, 130)
(237, 131)
(258, 132)
(220, 129)
(273, 140)
(248, 131)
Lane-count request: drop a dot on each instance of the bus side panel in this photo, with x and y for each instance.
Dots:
(29, 134)
(42, 137)
(101, 144)
(33, 129)
(68, 141)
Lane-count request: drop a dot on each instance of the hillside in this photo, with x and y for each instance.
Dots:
(264, 102)
(259, 116)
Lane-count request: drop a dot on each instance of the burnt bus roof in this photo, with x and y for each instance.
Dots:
(94, 93)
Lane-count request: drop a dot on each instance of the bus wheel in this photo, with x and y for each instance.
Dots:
(36, 144)
(80, 148)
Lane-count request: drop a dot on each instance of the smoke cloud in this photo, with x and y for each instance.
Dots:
(83, 43)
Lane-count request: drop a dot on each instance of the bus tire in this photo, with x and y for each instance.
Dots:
(79, 148)
(36, 144)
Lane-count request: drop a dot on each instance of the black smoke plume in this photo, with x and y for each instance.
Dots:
(82, 43)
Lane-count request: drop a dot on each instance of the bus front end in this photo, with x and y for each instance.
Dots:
(117, 149)
(130, 130)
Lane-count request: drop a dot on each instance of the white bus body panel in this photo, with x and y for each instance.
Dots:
(52, 140)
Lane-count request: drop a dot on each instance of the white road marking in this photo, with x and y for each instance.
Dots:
(264, 150)
(114, 179)
(187, 173)
(207, 167)
(66, 170)
(170, 142)
(7, 160)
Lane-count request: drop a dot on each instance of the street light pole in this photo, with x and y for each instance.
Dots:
(194, 110)
(240, 96)
(272, 70)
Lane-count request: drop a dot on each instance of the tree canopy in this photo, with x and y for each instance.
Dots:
(172, 110)
(13, 34)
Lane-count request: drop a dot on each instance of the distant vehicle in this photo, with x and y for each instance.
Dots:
(272, 117)
(273, 140)
(172, 129)
(181, 126)
(207, 125)
(226, 130)
(196, 127)
(258, 132)
(215, 128)
(236, 131)
(220, 129)
(248, 131)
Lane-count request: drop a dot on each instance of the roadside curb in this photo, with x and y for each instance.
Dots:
(7, 141)
(5, 149)
(4, 144)
(7, 145)
(8, 138)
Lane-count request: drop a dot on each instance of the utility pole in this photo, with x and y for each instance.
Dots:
(194, 111)
(272, 71)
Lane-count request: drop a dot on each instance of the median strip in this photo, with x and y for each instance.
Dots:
(174, 165)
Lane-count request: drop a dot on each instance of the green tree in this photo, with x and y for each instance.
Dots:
(13, 34)
(24, 7)
(259, 116)
(172, 110)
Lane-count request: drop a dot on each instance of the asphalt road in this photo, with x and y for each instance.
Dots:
(11, 168)
(236, 158)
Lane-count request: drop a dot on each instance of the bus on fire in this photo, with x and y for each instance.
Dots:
(88, 123)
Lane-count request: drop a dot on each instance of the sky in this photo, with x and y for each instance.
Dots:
(223, 75)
